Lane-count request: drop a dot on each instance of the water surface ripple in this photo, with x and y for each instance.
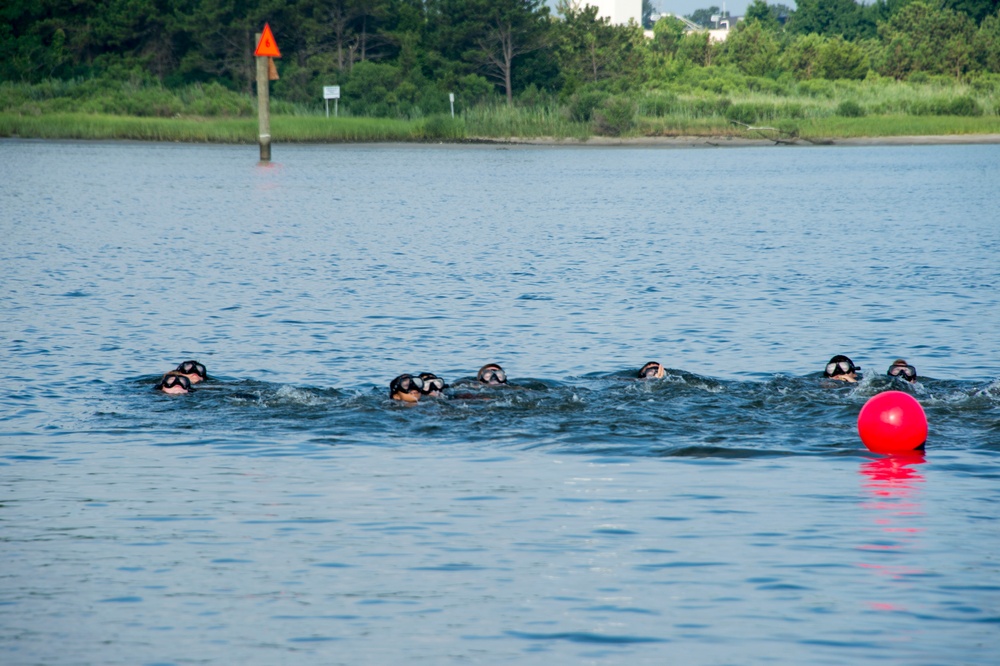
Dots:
(289, 512)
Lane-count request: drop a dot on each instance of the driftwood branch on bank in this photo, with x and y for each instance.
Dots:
(779, 136)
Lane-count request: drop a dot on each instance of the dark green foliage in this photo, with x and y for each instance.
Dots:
(850, 109)
(977, 10)
(590, 50)
(657, 105)
(841, 59)
(615, 117)
(829, 18)
(583, 103)
(986, 44)
(925, 39)
(667, 34)
(130, 97)
(760, 12)
(441, 126)
(707, 107)
(946, 106)
(750, 113)
(401, 58)
(752, 49)
(376, 90)
(696, 49)
(816, 88)
(964, 106)
(757, 112)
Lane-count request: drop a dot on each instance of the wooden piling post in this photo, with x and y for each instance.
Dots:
(263, 107)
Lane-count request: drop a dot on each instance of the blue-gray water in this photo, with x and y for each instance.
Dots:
(288, 512)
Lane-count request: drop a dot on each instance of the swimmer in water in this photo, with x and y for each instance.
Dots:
(903, 370)
(433, 385)
(406, 388)
(492, 374)
(193, 370)
(174, 383)
(652, 370)
(841, 369)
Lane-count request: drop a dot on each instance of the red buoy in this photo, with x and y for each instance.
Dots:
(893, 422)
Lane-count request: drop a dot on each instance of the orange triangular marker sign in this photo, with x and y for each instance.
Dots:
(267, 46)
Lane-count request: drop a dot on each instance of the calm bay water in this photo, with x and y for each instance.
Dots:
(288, 512)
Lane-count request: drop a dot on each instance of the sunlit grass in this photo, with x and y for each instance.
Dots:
(807, 119)
(101, 126)
(876, 126)
(319, 129)
(502, 121)
(288, 129)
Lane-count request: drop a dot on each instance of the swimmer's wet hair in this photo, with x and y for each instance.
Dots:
(644, 370)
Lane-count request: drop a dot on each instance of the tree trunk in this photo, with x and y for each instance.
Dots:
(508, 63)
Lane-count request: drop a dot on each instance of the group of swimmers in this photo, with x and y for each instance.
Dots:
(411, 388)
(180, 379)
(841, 368)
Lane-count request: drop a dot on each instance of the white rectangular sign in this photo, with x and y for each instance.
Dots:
(331, 92)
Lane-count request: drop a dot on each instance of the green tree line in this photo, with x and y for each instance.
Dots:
(401, 58)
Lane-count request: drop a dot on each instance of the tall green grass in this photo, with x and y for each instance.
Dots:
(284, 129)
(103, 126)
(703, 106)
(501, 121)
(897, 125)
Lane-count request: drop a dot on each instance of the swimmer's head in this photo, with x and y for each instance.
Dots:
(174, 383)
(433, 385)
(193, 370)
(491, 374)
(651, 370)
(406, 388)
(903, 370)
(842, 369)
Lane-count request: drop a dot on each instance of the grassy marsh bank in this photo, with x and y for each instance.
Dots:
(86, 109)
(297, 129)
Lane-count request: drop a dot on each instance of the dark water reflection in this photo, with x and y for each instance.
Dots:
(680, 415)
(289, 512)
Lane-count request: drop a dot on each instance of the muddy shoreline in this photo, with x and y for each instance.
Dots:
(738, 142)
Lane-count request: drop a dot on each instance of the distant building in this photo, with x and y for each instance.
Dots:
(718, 33)
(619, 11)
(722, 27)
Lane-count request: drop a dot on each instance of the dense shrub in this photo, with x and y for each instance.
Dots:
(372, 90)
(657, 104)
(751, 112)
(616, 116)
(721, 86)
(214, 100)
(702, 107)
(442, 126)
(816, 88)
(946, 106)
(964, 106)
(583, 104)
(840, 59)
(766, 85)
(850, 109)
(751, 48)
